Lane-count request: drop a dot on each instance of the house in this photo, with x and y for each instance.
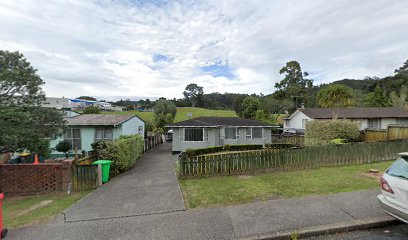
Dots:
(85, 129)
(217, 131)
(63, 104)
(369, 117)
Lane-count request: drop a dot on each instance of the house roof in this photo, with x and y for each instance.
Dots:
(220, 121)
(99, 119)
(355, 113)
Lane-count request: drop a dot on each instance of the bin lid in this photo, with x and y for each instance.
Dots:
(1, 196)
(102, 162)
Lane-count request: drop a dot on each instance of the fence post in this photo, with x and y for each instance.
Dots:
(99, 178)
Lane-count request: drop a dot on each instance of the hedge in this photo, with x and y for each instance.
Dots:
(192, 152)
(279, 145)
(321, 132)
(123, 152)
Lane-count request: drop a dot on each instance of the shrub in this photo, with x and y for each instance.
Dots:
(200, 151)
(244, 147)
(279, 145)
(123, 152)
(92, 110)
(63, 146)
(322, 132)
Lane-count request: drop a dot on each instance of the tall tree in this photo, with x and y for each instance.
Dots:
(335, 96)
(377, 98)
(164, 113)
(193, 93)
(399, 100)
(19, 82)
(23, 122)
(402, 71)
(295, 84)
(250, 106)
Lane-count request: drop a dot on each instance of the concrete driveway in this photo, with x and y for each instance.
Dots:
(151, 187)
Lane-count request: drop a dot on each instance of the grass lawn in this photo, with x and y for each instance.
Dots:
(32, 210)
(198, 112)
(227, 190)
(146, 116)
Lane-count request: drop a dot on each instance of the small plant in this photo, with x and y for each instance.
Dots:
(92, 110)
(63, 146)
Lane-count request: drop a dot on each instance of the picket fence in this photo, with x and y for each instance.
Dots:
(268, 160)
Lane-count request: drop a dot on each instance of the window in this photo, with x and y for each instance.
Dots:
(248, 133)
(399, 168)
(402, 121)
(374, 123)
(103, 134)
(73, 136)
(194, 134)
(140, 130)
(256, 132)
(304, 121)
(230, 133)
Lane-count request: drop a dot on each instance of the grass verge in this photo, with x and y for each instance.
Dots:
(146, 116)
(33, 210)
(228, 190)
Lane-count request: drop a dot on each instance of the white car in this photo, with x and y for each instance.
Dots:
(394, 189)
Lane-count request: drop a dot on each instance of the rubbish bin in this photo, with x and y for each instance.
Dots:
(105, 164)
(3, 232)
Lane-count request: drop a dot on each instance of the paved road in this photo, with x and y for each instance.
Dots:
(146, 203)
(394, 232)
(150, 187)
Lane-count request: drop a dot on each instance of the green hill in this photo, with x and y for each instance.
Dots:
(146, 116)
(199, 112)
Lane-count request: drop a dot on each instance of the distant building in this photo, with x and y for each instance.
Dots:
(369, 117)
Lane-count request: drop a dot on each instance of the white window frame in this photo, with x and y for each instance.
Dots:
(248, 136)
(71, 139)
(103, 134)
(205, 134)
(372, 126)
(304, 121)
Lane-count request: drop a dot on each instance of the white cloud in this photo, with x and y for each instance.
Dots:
(108, 48)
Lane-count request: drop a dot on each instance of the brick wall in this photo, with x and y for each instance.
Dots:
(29, 179)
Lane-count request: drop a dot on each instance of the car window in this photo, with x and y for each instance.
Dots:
(399, 168)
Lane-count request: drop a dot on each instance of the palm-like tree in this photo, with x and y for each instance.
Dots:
(335, 96)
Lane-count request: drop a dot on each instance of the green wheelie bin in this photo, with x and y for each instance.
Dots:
(105, 164)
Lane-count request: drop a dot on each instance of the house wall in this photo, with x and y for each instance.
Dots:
(179, 145)
(216, 137)
(296, 121)
(131, 127)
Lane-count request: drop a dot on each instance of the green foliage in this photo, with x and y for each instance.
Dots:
(193, 93)
(377, 98)
(164, 113)
(19, 83)
(123, 152)
(399, 100)
(89, 98)
(92, 110)
(250, 106)
(200, 151)
(335, 96)
(244, 147)
(322, 132)
(294, 84)
(279, 145)
(198, 112)
(63, 146)
(338, 141)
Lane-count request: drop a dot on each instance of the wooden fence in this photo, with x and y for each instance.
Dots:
(85, 177)
(298, 140)
(152, 141)
(281, 160)
(390, 134)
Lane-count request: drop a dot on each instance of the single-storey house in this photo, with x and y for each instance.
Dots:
(368, 117)
(218, 131)
(85, 129)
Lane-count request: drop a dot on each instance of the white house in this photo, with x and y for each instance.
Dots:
(369, 117)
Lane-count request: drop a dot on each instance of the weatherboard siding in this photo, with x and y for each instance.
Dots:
(131, 127)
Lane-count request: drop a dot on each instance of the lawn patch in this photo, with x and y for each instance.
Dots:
(199, 112)
(32, 210)
(228, 190)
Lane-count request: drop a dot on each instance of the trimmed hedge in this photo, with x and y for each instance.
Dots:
(192, 152)
(123, 152)
(321, 132)
(279, 145)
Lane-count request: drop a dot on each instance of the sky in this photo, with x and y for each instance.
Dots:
(138, 49)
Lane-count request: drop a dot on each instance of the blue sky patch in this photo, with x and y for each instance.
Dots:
(219, 70)
(161, 58)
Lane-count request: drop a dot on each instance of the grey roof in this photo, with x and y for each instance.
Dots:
(220, 121)
(355, 113)
(99, 119)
